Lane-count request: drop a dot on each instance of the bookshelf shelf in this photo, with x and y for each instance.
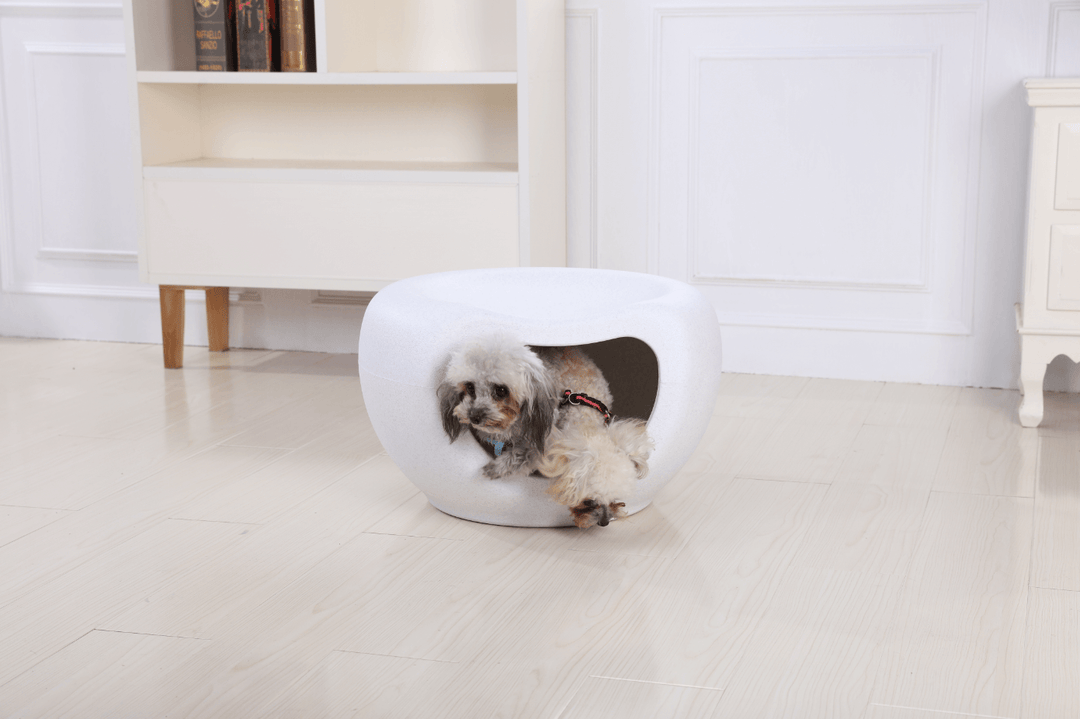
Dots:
(326, 78)
(271, 170)
(430, 138)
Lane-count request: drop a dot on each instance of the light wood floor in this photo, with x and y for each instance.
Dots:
(228, 540)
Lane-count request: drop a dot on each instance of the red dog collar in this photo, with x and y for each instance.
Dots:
(576, 398)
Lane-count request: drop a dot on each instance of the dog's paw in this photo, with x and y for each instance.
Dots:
(591, 512)
(495, 470)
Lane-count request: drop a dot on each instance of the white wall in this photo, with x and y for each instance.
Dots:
(845, 180)
(68, 265)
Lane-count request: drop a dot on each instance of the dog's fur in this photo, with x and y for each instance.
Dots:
(504, 391)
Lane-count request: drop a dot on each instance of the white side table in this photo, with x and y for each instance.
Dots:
(1049, 318)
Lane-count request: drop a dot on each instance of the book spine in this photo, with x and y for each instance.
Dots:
(215, 35)
(256, 35)
(298, 35)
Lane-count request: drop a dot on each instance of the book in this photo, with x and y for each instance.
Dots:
(215, 35)
(256, 36)
(297, 35)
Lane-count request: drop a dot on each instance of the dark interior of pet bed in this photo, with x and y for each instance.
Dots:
(632, 372)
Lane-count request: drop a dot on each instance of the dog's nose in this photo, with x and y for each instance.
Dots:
(476, 416)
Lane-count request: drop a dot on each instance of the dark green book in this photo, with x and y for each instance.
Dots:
(215, 35)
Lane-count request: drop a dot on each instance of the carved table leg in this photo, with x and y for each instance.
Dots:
(172, 325)
(217, 318)
(1034, 357)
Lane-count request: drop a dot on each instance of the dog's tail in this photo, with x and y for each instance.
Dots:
(630, 436)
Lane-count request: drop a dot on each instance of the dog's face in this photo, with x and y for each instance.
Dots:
(489, 406)
(499, 387)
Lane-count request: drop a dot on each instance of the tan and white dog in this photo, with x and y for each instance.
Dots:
(547, 411)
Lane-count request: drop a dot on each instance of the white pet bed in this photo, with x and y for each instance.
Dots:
(411, 326)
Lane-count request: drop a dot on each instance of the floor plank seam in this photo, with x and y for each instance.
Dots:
(46, 658)
(621, 554)
(944, 444)
(151, 634)
(1025, 647)
(31, 506)
(1034, 515)
(1030, 584)
(215, 521)
(396, 656)
(290, 450)
(781, 479)
(414, 536)
(166, 467)
(394, 509)
(981, 494)
(1055, 589)
(905, 576)
(663, 684)
(941, 711)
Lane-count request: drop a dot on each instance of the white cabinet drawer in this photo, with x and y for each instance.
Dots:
(1067, 186)
(323, 234)
(1064, 279)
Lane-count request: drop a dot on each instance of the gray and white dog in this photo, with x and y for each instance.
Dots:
(546, 411)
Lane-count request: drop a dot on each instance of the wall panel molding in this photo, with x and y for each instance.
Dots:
(854, 324)
(137, 292)
(928, 55)
(714, 11)
(46, 9)
(582, 42)
(39, 254)
(1064, 16)
(64, 254)
(926, 286)
(75, 49)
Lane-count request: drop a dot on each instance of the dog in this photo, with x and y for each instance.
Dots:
(593, 460)
(503, 393)
(546, 411)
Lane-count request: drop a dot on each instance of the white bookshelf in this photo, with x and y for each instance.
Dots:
(432, 137)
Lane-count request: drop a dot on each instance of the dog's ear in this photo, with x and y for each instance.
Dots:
(538, 411)
(536, 417)
(449, 398)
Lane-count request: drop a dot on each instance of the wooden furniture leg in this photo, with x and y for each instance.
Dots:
(217, 318)
(172, 321)
(172, 325)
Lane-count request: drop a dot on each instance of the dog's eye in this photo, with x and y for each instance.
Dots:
(471, 389)
(500, 391)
